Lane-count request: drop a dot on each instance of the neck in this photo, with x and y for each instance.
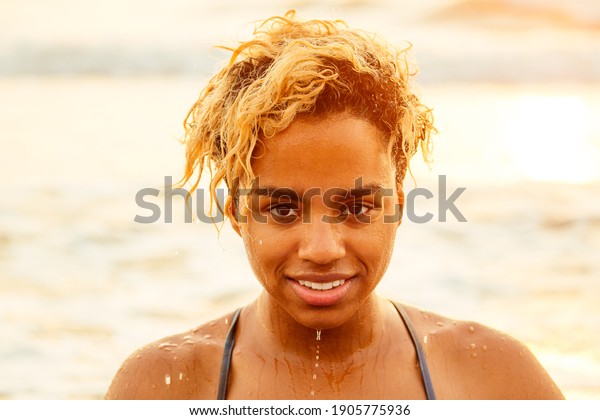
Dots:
(276, 331)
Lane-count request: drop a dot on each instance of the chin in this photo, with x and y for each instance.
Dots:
(321, 318)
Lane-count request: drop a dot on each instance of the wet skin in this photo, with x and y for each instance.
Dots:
(365, 351)
(319, 239)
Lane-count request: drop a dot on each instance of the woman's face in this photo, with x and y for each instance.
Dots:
(321, 218)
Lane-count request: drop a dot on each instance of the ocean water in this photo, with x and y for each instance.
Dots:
(91, 112)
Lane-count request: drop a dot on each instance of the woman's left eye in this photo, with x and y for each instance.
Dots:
(355, 209)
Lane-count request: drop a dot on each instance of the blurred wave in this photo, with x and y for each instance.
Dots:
(552, 65)
(522, 14)
(455, 40)
(39, 60)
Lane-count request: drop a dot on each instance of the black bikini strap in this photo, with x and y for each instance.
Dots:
(420, 352)
(230, 340)
(227, 351)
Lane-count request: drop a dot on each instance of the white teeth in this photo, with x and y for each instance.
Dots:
(321, 286)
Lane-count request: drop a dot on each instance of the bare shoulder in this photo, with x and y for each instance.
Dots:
(182, 366)
(471, 361)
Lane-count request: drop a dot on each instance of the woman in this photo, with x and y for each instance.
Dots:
(312, 126)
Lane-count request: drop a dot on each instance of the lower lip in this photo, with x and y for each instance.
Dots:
(321, 297)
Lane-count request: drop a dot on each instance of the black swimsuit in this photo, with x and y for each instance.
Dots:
(230, 340)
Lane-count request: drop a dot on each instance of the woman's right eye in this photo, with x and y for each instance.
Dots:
(284, 212)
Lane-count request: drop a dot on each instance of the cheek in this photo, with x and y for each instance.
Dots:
(255, 257)
(255, 247)
(266, 251)
(377, 247)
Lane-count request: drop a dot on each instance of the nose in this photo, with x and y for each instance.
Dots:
(322, 242)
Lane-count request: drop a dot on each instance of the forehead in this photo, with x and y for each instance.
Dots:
(327, 153)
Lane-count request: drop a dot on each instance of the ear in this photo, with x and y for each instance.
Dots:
(236, 226)
(400, 196)
(232, 213)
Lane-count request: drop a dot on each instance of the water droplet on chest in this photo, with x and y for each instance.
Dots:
(316, 366)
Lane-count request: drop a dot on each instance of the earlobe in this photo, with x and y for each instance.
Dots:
(401, 196)
(231, 211)
(400, 203)
(236, 226)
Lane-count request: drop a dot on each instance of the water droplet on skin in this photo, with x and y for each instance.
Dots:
(474, 354)
(318, 335)
(226, 321)
(440, 324)
(153, 386)
(425, 339)
(485, 366)
(314, 374)
(139, 356)
(471, 329)
(484, 347)
(260, 242)
(168, 379)
(174, 357)
(187, 337)
(180, 376)
(472, 345)
(166, 346)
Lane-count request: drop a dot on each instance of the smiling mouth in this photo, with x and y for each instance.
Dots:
(319, 292)
(321, 286)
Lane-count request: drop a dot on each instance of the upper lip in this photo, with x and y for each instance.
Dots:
(321, 277)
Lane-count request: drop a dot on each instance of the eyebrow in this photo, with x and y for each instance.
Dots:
(368, 189)
(277, 192)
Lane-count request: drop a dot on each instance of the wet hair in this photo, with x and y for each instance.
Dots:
(291, 69)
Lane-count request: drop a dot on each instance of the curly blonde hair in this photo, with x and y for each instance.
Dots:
(294, 68)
